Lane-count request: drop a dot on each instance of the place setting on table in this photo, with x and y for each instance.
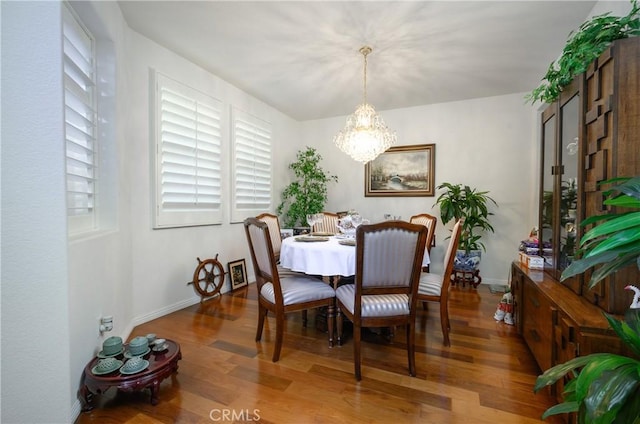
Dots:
(330, 254)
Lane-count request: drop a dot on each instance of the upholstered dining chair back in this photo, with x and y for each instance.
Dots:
(274, 232)
(388, 261)
(297, 292)
(435, 288)
(329, 223)
(430, 222)
(261, 247)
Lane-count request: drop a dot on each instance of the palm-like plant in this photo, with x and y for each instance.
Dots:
(605, 387)
(615, 242)
(470, 205)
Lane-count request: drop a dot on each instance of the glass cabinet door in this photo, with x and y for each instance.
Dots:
(547, 187)
(568, 182)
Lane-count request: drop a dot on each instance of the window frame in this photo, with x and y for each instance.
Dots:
(241, 212)
(165, 216)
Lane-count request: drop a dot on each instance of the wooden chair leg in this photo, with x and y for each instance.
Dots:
(331, 313)
(356, 351)
(262, 315)
(279, 336)
(411, 352)
(339, 325)
(304, 318)
(444, 323)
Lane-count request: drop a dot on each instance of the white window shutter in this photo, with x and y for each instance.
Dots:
(188, 156)
(251, 165)
(80, 123)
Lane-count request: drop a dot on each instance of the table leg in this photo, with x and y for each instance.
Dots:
(155, 388)
(86, 398)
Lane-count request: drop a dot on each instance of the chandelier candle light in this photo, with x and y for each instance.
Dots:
(365, 136)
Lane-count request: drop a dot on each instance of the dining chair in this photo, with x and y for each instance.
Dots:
(281, 296)
(430, 222)
(435, 288)
(329, 223)
(388, 261)
(274, 229)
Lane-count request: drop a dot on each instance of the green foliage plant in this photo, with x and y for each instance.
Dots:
(605, 387)
(470, 205)
(582, 47)
(615, 242)
(308, 192)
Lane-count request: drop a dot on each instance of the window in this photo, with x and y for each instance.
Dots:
(251, 165)
(188, 143)
(80, 123)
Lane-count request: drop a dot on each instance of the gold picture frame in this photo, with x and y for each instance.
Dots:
(407, 171)
(238, 274)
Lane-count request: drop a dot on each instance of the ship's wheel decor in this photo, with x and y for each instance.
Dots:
(208, 277)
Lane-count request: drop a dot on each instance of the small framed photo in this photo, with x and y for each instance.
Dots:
(238, 273)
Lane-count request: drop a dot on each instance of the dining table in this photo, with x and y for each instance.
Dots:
(331, 256)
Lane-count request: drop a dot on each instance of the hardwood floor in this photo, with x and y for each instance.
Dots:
(486, 376)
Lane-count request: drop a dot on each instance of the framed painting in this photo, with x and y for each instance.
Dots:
(402, 171)
(238, 273)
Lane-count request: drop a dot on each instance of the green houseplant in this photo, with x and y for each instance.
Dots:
(470, 205)
(582, 47)
(605, 387)
(308, 192)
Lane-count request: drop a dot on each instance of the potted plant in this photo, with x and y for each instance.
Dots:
(583, 46)
(307, 194)
(470, 205)
(605, 387)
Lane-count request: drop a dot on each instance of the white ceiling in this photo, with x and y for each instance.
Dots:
(302, 57)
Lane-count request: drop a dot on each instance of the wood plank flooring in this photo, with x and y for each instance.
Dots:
(486, 376)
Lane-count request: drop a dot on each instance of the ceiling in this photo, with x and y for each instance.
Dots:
(302, 57)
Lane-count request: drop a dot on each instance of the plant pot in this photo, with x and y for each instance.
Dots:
(467, 261)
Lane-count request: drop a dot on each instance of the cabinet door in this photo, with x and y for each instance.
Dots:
(537, 324)
(568, 214)
(559, 202)
(546, 232)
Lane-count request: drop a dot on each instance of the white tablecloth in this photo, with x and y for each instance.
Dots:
(327, 258)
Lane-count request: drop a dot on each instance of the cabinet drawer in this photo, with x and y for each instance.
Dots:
(537, 317)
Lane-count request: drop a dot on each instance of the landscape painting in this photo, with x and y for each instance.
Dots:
(402, 171)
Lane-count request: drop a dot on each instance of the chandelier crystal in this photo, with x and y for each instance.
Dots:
(365, 136)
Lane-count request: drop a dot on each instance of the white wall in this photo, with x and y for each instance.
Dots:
(489, 144)
(35, 314)
(53, 293)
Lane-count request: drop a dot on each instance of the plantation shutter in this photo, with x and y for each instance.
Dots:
(80, 123)
(188, 156)
(251, 165)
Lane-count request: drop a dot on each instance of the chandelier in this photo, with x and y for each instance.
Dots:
(365, 135)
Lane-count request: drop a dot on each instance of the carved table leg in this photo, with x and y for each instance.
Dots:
(86, 398)
(155, 388)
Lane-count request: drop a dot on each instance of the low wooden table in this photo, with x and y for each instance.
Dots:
(161, 365)
(463, 277)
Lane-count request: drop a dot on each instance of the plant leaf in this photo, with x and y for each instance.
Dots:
(627, 334)
(609, 393)
(615, 265)
(556, 372)
(594, 369)
(561, 408)
(616, 240)
(619, 223)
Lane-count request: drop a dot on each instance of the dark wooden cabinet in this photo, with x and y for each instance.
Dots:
(558, 325)
(589, 135)
(611, 147)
